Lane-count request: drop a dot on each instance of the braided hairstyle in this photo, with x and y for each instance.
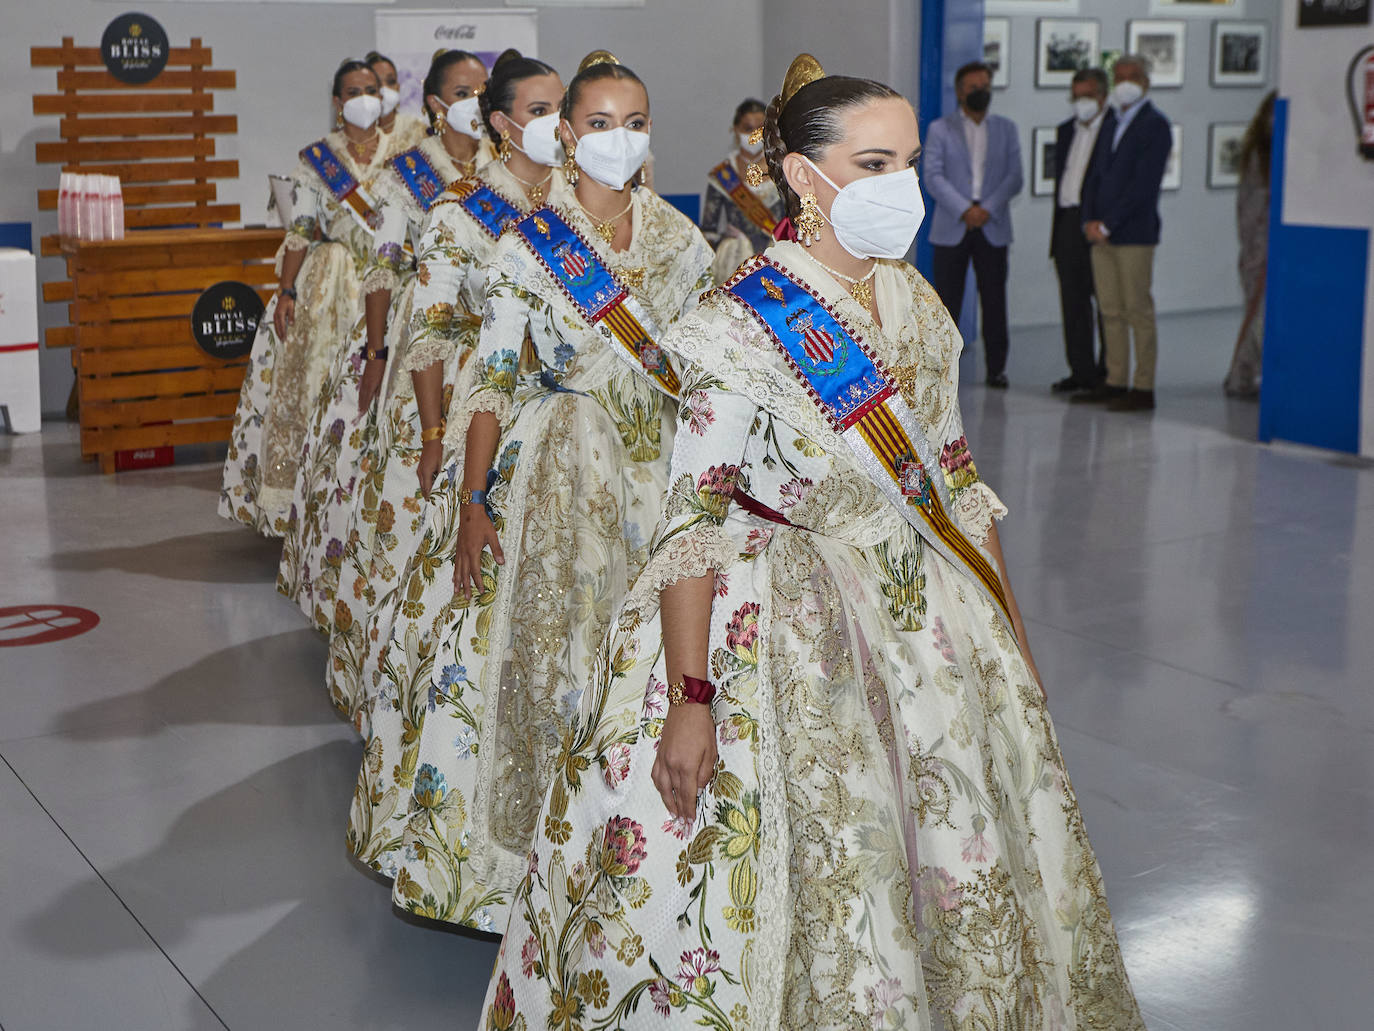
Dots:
(510, 69)
(811, 121)
(434, 79)
(595, 73)
(348, 67)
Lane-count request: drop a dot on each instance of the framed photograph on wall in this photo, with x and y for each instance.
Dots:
(1042, 160)
(996, 55)
(1173, 169)
(1240, 53)
(1160, 43)
(1062, 47)
(1224, 141)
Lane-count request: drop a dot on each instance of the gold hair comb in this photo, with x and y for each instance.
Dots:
(804, 69)
(597, 57)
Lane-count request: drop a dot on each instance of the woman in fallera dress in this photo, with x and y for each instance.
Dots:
(376, 669)
(328, 247)
(813, 782)
(563, 475)
(742, 205)
(341, 447)
(388, 510)
(406, 130)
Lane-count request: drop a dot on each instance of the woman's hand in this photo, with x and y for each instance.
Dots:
(686, 757)
(284, 315)
(431, 456)
(371, 383)
(475, 534)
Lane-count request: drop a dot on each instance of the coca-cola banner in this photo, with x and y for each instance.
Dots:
(410, 39)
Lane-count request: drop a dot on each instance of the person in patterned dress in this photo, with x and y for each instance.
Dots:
(570, 446)
(341, 447)
(375, 673)
(741, 207)
(812, 781)
(406, 130)
(327, 250)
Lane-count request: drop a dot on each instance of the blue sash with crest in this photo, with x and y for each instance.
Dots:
(488, 208)
(573, 264)
(859, 400)
(424, 184)
(340, 182)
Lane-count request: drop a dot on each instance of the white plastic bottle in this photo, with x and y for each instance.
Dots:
(117, 207)
(90, 202)
(64, 207)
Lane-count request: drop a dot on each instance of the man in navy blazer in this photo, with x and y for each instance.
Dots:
(1121, 221)
(1074, 147)
(972, 167)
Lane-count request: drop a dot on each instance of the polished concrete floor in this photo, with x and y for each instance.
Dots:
(174, 784)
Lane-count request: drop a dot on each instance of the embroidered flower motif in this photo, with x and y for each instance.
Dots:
(883, 1000)
(596, 939)
(757, 541)
(501, 369)
(957, 463)
(659, 996)
(678, 826)
(792, 492)
(616, 765)
(942, 640)
(465, 744)
(624, 847)
(336, 432)
(975, 847)
(430, 787)
(333, 551)
(742, 631)
(697, 412)
(940, 887)
(529, 956)
(697, 964)
(714, 488)
(722, 584)
(563, 355)
(501, 1016)
(390, 255)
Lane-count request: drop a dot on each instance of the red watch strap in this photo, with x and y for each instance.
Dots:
(698, 690)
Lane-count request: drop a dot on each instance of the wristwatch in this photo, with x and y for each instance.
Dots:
(472, 497)
(288, 291)
(370, 354)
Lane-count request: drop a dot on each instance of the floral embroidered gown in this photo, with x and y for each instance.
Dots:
(476, 696)
(890, 839)
(728, 229)
(389, 518)
(342, 447)
(284, 376)
(407, 131)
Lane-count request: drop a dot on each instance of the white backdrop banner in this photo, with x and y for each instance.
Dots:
(410, 39)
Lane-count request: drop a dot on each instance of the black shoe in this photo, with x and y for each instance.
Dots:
(999, 381)
(1099, 395)
(1067, 385)
(1133, 401)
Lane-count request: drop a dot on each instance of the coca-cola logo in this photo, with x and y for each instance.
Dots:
(461, 31)
(135, 49)
(225, 320)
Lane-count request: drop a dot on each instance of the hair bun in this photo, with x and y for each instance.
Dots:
(597, 57)
(509, 54)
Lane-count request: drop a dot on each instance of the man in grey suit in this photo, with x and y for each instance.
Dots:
(972, 167)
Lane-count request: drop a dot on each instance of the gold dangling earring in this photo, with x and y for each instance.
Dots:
(810, 221)
(503, 151)
(570, 170)
(338, 118)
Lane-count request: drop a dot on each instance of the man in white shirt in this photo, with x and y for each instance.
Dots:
(1073, 153)
(972, 167)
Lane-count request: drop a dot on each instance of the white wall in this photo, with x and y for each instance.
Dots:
(698, 59)
(1195, 266)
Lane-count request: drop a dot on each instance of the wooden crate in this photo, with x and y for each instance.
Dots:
(158, 138)
(141, 380)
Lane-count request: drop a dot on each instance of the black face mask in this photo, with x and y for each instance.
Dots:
(978, 100)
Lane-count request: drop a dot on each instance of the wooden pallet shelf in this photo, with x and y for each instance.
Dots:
(141, 380)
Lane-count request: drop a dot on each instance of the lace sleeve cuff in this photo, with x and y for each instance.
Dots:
(424, 352)
(460, 415)
(380, 277)
(977, 506)
(703, 549)
(295, 242)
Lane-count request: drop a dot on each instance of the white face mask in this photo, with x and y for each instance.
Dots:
(362, 111)
(612, 157)
(752, 149)
(1124, 94)
(539, 140)
(465, 116)
(1086, 109)
(391, 100)
(877, 216)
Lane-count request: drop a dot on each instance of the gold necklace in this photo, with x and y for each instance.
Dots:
(606, 229)
(535, 192)
(356, 149)
(861, 289)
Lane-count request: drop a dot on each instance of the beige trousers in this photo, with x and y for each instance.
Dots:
(1122, 277)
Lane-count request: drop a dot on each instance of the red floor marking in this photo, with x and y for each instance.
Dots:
(39, 624)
